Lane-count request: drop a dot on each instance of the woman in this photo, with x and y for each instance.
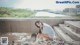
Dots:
(45, 31)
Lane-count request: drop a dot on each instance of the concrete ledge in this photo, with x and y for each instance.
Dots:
(75, 25)
(63, 36)
(70, 32)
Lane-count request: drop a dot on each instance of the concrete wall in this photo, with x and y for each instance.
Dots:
(25, 25)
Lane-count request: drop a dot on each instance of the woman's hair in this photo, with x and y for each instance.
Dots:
(40, 32)
(38, 22)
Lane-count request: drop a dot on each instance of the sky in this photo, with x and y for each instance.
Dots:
(35, 4)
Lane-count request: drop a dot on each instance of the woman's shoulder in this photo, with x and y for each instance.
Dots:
(46, 26)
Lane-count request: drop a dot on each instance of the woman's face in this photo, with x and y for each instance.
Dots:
(40, 24)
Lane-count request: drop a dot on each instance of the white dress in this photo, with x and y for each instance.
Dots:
(47, 29)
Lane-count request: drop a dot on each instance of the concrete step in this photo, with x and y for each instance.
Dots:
(68, 31)
(62, 35)
(75, 25)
